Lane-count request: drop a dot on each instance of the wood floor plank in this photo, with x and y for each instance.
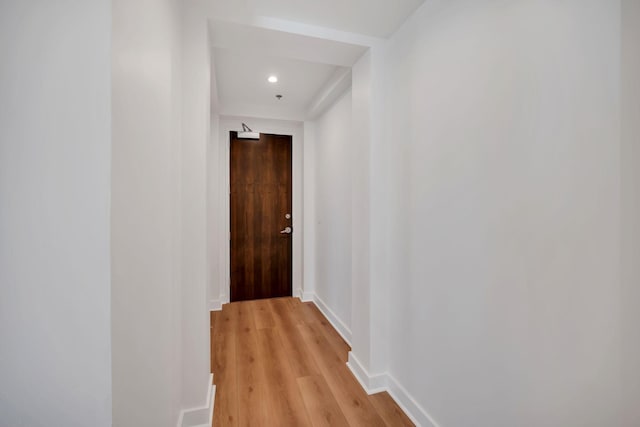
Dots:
(280, 363)
(290, 301)
(349, 394)
(389, 410)
(332, 335)
(213, 319)
(262, 316)
(284, 401)
(320, 403)
(251, 387)
(301, 360)
(225, 373)
(213, 316)
(244, 318)
(282, 311)
(303, 311)
(224, 326)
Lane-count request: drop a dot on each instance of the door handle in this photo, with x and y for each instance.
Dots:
(287, 230)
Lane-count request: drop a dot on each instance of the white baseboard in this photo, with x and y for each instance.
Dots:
(306, 296)
(200, 417)
(386, 382)
(215, 304)
(378, 382)
(335, 321)
(371, 383)
(408, 404)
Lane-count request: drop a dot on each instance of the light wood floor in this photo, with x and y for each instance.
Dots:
(279, 362)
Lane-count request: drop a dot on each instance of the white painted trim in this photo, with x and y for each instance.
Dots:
(333, 90)
(408, 404)
(306, 296)
(386, 382)
(202, 416)
(308, 196)
(249, 109)
(315, 31)
(370, 383)
(215, 304)
(335, 321)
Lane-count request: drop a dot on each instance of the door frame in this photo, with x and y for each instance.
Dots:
(278, 127)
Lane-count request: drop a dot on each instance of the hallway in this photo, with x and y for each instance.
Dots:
(462, 219)
(279, 362)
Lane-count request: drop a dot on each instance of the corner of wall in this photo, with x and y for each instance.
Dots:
(385, 382)
(215, 304)
(202, 416)
(371, 383)
(305, 296)
(333, 318)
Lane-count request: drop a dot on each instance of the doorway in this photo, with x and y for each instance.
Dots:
(260, 217)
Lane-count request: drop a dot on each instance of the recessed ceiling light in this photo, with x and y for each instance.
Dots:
(273, 79)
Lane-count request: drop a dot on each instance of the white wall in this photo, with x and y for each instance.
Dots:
(384, 210)
(349, 248)
(146, 286)
(506, 307)
(309, 211)
(361, 96)
(196, 125)
(213, 194)
(161, 130)
(631, 209)
(55, 363)
(333, 161)
(213, 217)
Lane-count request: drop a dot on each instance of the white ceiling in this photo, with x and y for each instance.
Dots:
(379, 18)
(251, 40)
(243, 89)
(308, 44)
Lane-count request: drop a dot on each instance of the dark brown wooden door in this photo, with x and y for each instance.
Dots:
(260, 214)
